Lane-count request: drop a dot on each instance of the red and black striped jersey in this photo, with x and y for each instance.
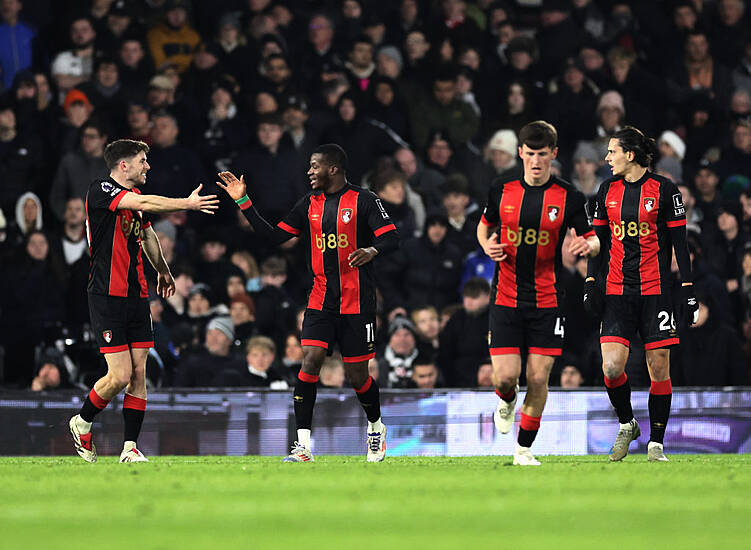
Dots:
(336, 225)
(114, 236)
(639, 216)
(533, 223)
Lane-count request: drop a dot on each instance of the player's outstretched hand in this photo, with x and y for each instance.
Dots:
(203, 203)
(594, 300)
(234, 187)
(361, 256)
(165, 285)
(494, 249)
(579, 245)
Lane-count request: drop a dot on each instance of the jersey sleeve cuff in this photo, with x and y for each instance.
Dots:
(588, 234)
(676, 223)
(288, 228)
(599, 222)
(116, 200)
(385, 229)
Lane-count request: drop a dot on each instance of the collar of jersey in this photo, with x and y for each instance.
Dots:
(640, 181)
(533, 187)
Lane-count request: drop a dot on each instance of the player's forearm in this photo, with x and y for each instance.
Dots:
(259, 224)
(594, 263)
(156, 204)
(483, 233)
(153, 251)
(682, 258)
(594, 246)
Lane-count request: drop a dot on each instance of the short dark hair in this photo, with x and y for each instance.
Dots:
(333, 155)
(424, 358)
(122, 149)
(386, 177)
(274, 266)
(270, 118)
(633, 140)
(476, 287)
(538, 135)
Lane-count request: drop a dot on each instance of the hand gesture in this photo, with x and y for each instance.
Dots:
(361, 256)
(165, 285)
(206, 203)
(234, 187)
(579, 245)
(494, 249)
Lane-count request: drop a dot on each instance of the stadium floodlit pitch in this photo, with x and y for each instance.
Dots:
(696, 501)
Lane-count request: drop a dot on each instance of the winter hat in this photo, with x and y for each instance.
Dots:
(167, 228)
(504, 140)
(674, 140)
(402, 322)
(394, 53)
(586, 151)
(223, 324)
(611, 99)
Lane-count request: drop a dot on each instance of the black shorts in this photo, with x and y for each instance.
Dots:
(355, 333)
(652, 316)
(536, 330)
(120, 323)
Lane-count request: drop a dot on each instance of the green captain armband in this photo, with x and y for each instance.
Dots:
(244, 202)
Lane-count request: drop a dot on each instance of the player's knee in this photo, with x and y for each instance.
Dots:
(120, 381)
(611, 368)
(537, 379)
(504, 381)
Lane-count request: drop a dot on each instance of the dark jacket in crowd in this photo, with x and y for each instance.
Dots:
(463, 347)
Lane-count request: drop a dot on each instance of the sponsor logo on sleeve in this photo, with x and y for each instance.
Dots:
(107, 187)
(382, 209)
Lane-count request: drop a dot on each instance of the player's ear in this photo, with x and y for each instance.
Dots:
(333, 170)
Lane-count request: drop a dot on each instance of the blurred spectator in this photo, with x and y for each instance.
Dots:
(260, 358)
(105, 91)
(426, 270)
(586, 161)
(425, 181)
(571, 377)
(464, 339)
(201, 309)
(427, 324)
(671, 145)
(360, 66)
(425, 374)
(79, 168)
(443, 111)
(224, 128)
(248, 265)
(399, 354)
(463, 213)
(51, 373)
(499, 158)
(175, 170)
(558, 36)
(730, 31)
(173, 41)
(275, 310)
(17, 42)
(73, 242)
(135, 66)
(292, 359)
(332, 373)
(138, 122)
(710, 353)
(386, 108)
(742, 72)
(19, 161)
(272, 171)
(242, 310)
(485, 374)
(72, 67)
(736, 158)
(708, 198)
(304, 138)
(391, 188)
(27, 220)
(176, 306)
(212, 365)
(610, 114)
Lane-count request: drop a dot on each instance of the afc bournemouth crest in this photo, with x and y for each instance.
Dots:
(649, 203)
(346, 215)
(107, 334)
(553, 212)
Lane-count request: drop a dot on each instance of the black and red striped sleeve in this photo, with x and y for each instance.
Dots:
(385, 234)
(491, 216)
(576, 213)
(600, 224)
(105, 195)
(671, 203)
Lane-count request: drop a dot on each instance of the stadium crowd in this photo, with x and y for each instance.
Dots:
(427, 99)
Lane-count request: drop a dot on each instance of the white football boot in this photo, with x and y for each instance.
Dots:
(504, 414)
(523, 457)
(82, 441)
(628, 433)
(131, 453)
(299, 453)
(376, 441)
(655, 452)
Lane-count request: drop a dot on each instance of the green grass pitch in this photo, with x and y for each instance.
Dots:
(696, 501)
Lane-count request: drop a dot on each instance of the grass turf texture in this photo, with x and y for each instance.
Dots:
(695, 501)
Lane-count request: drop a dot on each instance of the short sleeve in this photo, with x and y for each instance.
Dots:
(675, 211)
(297, 218)
(491, 214)
(577, 214)
(600, 216)
(379, 220)
(105, 195)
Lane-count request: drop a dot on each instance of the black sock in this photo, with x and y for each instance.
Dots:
(305, 399)
(619, 391)
(92, 406)
(133, 421)
(528, 428)
(660, 397)
(134, 409)
(370, 399)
